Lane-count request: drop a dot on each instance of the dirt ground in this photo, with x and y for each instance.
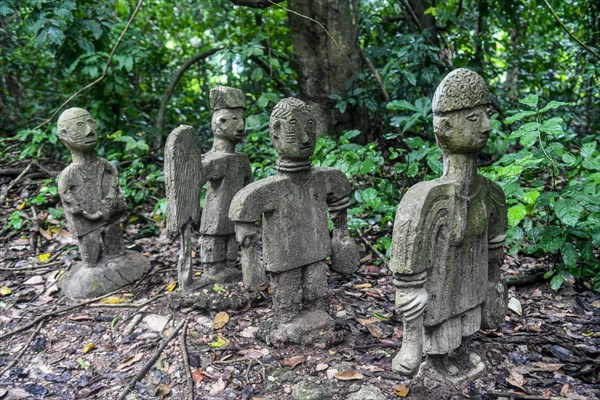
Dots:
(52, 347)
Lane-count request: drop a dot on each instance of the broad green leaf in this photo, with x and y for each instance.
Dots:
(588, 149)
(568, 211)
(531, 101)
(412, 171)
(569, 254)
(552, 105)
(525, 129)
(569, 159)
(529, 138)
(556, 282)
(553, 126)
(593, 164)
(516, 214)
(531, 196)
(400, 105)
(518, 116)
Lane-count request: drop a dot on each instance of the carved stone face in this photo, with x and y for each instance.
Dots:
(79, 133)
(295, 135)
(463, 131)
(228, 124)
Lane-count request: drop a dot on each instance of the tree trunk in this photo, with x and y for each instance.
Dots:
(327, 60)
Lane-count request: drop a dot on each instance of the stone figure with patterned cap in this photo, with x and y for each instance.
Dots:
(447, 245)
(94, 207)
(289, 211)
(226, 172)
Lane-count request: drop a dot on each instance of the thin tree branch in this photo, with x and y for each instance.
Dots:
(280, 84)
(383, 258)
(255, 3)
(25, 347)
(13, 183)
(374, 71)
(140, 375)
(186, 362)
(575, 38)
(101, 77)
(160, 118)
(310, 19)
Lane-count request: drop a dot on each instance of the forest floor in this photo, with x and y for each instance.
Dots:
(52, 347)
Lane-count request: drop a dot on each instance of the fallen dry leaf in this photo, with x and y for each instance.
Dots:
(5, 291)
(35, 280)
(348, 375)
(171, 286)
(112, 300)
(516, 380)
(293, 362)
(363, 286)
(401, 390)
(515, 305)
(162, 390)
(217, 387)
(197, 376)
(596, 304)
(366, 258)
(129, 361)
(321, 367)
(220, 320)
(88, 347)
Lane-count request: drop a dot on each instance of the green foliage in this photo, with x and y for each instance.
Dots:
(552, 188)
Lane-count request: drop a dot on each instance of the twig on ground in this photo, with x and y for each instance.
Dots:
(34, 233)
(186, 362)
(25, 347)
(33, 267)
(524, 279)
(137, 317)
(13, 183)
(383, 258)
(129, 305)
(151, 362)
(53, 313)
(517, 396)
(384, 375)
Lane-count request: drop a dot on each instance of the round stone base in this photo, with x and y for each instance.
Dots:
(107, 276)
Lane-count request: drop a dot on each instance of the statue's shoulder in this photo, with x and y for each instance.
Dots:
(253, 199)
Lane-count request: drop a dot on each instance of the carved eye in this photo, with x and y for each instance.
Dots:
(310, 122)
(293, 121)
(473, 117)
(91, 121)
(490, 112)
(222, 120)
(80, 124)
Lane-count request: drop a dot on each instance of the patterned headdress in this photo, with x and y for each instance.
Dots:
(71, 114)
(226, 97)
(461, 89)
(286, 106)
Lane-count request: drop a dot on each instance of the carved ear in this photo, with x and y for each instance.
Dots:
(61, 133)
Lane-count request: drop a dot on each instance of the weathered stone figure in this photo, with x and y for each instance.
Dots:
(226, 173)
(447, 241)
(94, 207)
(183, 180)
(292, 208)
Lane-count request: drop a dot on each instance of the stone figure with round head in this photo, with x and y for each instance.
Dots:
(447, 241)
(94, 208)
(289, 211)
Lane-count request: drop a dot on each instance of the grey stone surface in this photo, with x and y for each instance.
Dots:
(289, 210)
(94, 208)
(368, 392)
(226, 172)
(447, 240)
(183, 180)
(307, 390)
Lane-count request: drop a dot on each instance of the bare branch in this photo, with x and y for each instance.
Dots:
(101, 77)
(575, 38)
(375, 73)
(255, 3)
(267, 67)
(160, 118)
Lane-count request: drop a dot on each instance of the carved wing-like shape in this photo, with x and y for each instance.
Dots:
(183, 177)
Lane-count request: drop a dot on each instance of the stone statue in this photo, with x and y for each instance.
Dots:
(94, 207)
(183, 180)
(226, 173)
(447, 245)
(290, 209)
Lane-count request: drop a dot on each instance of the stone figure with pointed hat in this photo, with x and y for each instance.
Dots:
(94, 207)
(289, 211)
(447, 245)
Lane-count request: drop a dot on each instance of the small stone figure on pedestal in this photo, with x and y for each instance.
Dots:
(94, 207)
(290, 209)
(226, 173)
(447, 241)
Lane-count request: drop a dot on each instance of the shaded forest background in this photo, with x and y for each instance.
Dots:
(368, 68)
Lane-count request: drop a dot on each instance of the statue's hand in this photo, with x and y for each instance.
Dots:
(92, 217)
(344, 254)
(411, 302)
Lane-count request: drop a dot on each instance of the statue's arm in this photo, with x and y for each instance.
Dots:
(115, 198)
(69, 200)
(248, 237)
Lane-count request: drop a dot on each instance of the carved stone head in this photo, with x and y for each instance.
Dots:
(293, 129)
(77, 130)
(461, 112)
(228, 106)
